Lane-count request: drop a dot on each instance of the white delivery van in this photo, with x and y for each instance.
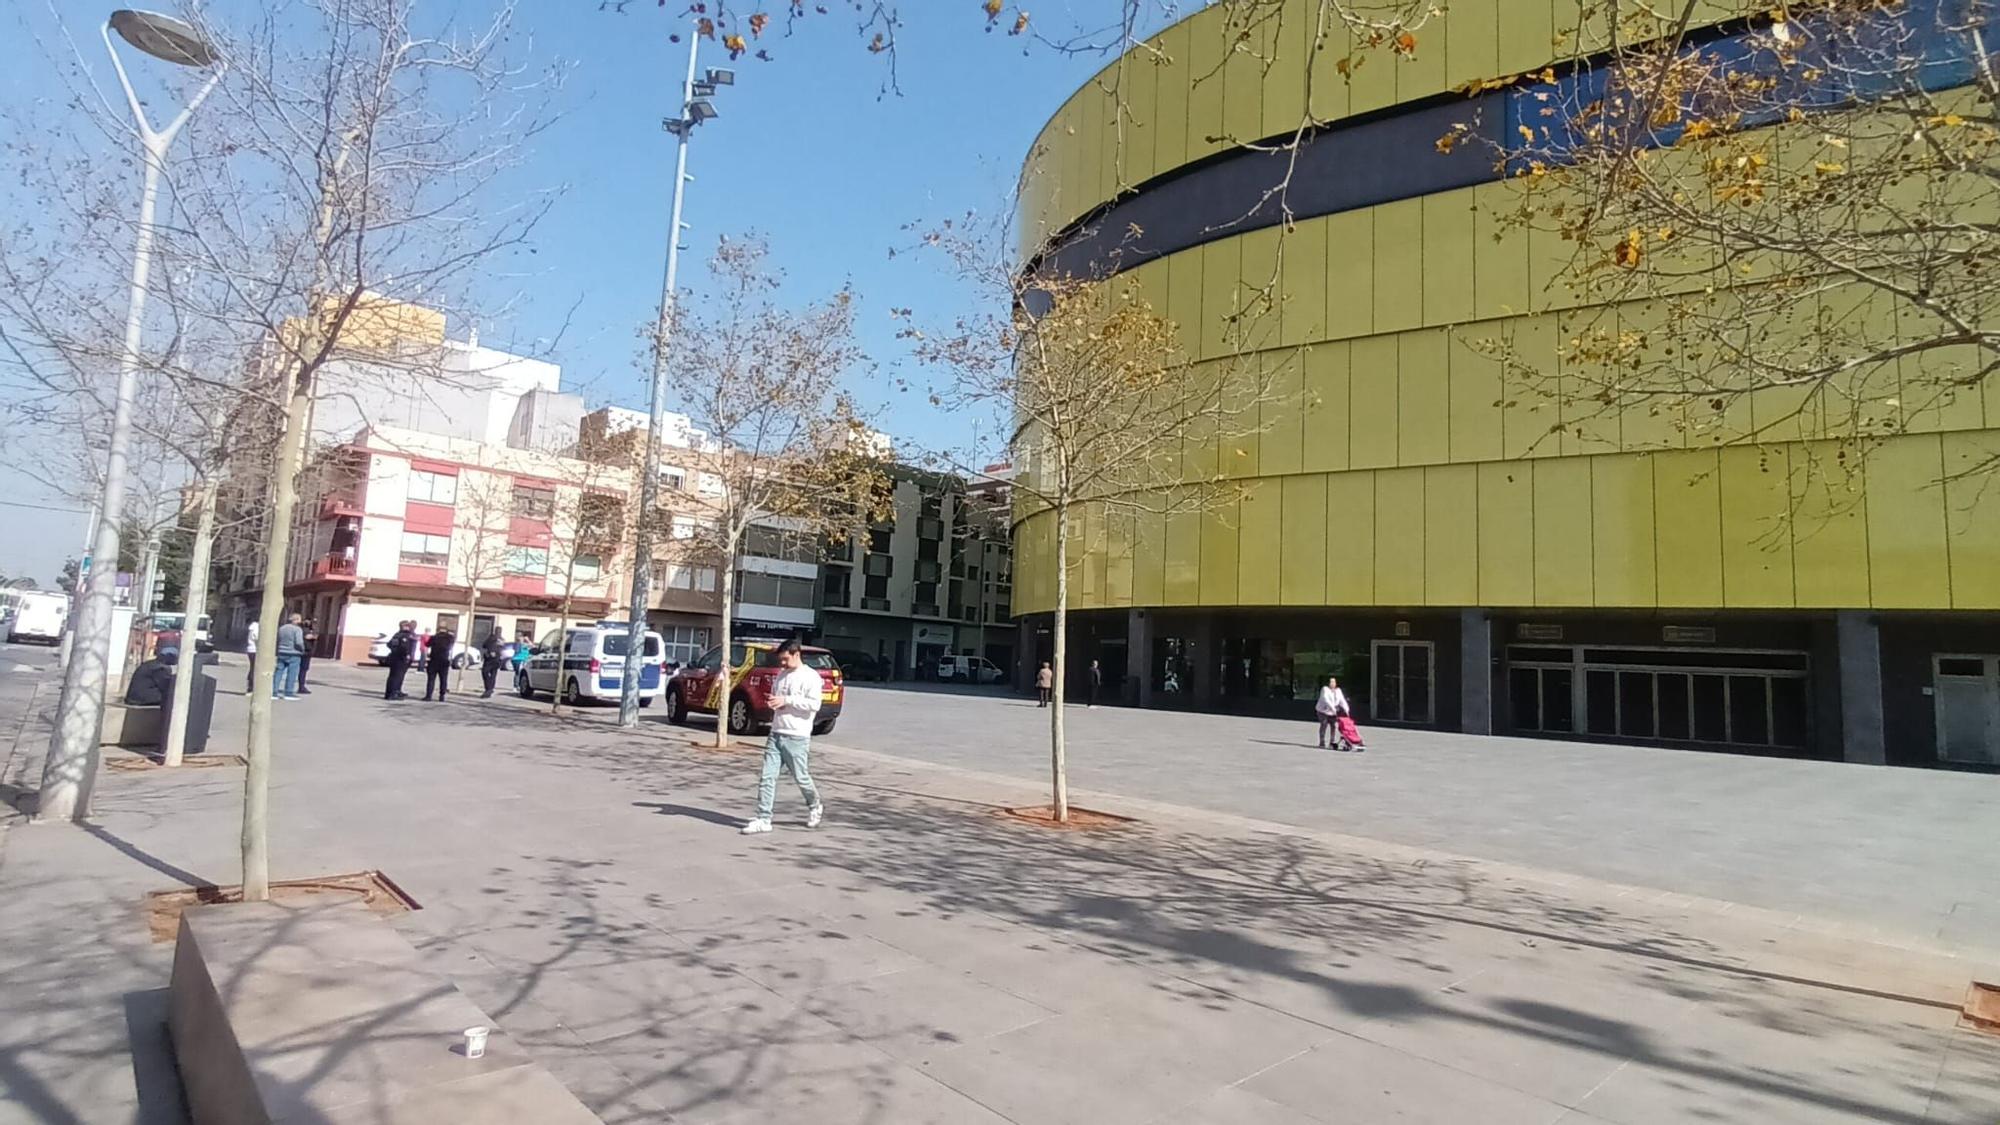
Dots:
(39, 616)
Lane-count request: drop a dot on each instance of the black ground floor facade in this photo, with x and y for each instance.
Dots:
(1896, 688)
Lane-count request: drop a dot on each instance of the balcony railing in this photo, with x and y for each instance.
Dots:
(881, 604)
(333, 566)
(333, 507)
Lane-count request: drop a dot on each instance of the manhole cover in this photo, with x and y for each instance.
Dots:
(1982, 1007)
(370, 888)
(1079, 819)
(139, 763)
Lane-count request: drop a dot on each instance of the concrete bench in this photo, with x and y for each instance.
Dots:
(131, 724)
(325, 1014)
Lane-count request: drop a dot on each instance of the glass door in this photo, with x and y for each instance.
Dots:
(1967, 695)
(1404, 684)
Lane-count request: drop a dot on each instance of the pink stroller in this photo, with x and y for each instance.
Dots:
(1350, 735)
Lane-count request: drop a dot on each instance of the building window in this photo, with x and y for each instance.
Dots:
(875, 588)
(524, 630)
(839, 587)
(775, 589)
(880, 540)
(684, 642)
(531, 502)
(433, 488)
(426, 550)
(532, 561)
(674, 478)
(587, 568)
(676, 576)
(927, 571)
(878, 566)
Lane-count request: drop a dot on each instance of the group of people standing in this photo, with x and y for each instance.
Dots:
(1045, 684)
(296, 638)
(432, 655)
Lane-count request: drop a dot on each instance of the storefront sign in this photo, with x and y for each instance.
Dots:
(1688, 634)
(1528, 632)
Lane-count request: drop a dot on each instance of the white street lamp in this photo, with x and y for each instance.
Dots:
(696, 107)
(71, 767)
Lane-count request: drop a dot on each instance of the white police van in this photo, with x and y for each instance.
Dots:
(588, 662)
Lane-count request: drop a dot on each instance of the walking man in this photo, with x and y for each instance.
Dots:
(402, 646)
(250, 648)
(795, 699)
(437, 663)
(291, 646)
(491, 653)
(1045, 683)
(306, 657)
(1332, 704)
(1096, 683)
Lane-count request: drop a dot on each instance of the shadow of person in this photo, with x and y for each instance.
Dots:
(709, 815)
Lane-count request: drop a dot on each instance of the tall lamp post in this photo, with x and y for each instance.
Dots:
(71, 766)
(697, 106)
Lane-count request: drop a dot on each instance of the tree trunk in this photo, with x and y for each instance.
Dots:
(562, 636)
(465, 636)
(1058, 761)
(726, 685)
(277, 549)
(193, 607)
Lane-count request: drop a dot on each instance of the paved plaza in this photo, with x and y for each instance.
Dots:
(1243, 954)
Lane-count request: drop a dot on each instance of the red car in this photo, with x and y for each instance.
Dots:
(754, 667)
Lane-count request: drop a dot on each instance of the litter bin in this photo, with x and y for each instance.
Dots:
(201, 703)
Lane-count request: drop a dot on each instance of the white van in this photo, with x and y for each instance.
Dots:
(589, 663)
(38, 617)
(974, 669)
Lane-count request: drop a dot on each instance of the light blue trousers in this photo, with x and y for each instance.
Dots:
(785, 752)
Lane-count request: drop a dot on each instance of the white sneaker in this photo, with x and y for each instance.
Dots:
(756, 825)
(813, 815)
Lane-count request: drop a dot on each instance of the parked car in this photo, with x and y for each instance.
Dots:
(754, 668)
(860, 665)
(970, 669)
(379, 650)
(168, 628)
(588, 662)
(38, 617)
(461, 656)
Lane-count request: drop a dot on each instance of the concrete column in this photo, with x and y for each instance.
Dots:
(1475, 672)
(1862, 736)
(1139, 658)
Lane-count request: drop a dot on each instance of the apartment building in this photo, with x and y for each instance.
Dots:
(935, 579)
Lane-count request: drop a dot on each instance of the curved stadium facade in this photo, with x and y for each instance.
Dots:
(1464, 562)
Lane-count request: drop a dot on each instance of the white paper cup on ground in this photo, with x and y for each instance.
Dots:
(475, 1041)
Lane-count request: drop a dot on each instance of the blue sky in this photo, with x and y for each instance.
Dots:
(807, 152)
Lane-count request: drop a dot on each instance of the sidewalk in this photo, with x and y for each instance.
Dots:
(920, 958)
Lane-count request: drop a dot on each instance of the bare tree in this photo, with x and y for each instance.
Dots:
(589, 521)
(1783, 234)
(764, 380)
(483, 545)
(1101, 407)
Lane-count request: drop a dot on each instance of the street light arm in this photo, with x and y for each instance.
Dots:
(180, 119)
(131, 96)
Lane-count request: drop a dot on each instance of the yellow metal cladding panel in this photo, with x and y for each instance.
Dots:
(1221, 266)
(1829, 528)
(1350, 539)
(1240, 442)
(1259, 546)
(1451, 535)
(1260, 297)
(1506, 534)
(1399, 537)
(1302, 312)
(1471, 41)
(1183, 558)
(1530, 412)
(1205, 83)
(1243, 85)
(1327, 93)
(1624, 555)
(1371, 409)
(1688, 513)
(1282, 442)
(1562, 532)
(1399, 265)
(1972, 510)
(1421, 73)
(1119, 560)
(1199, 437)
(1371, 83)
(1148, 284)
(1303, 546)
(1500, 251)
(1141, 81)
(1936, 395)
(1589, 424)
(1476, 393)
(1907, 563)
(1220, 530)
(1449, 245)
(1184, 295)
(1149, 558)
(1527, 36)
(1756, 527)
(1170, 96)
(1288, 40)
(1654, 425)
(1327, 405)
(1350, 289)
(1423, 398)
(1093, 119)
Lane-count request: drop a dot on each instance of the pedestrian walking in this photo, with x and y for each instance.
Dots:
(1331, 705)
(437, 662)
(306, 657)
(491, 653)
(1045, 684)
(1096, 683)
(523, 650)
(795, 699)
(250, 648)
(291, 646)
(402, 646)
